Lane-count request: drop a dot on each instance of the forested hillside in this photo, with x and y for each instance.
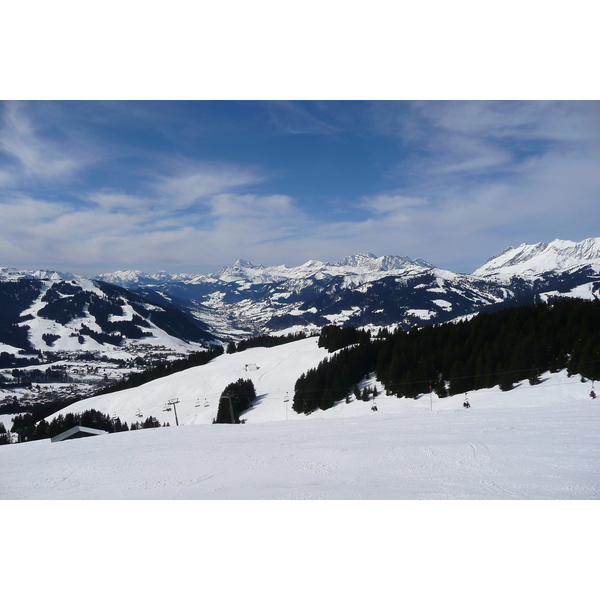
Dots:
(490, 349)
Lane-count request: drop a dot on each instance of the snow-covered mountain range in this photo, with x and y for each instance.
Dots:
(365, 290)
(133, 318)
(362, 289)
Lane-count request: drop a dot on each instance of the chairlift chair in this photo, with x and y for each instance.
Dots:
(206, 404)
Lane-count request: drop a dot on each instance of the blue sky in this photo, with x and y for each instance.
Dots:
(190, 186)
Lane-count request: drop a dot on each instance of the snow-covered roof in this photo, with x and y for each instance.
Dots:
(77, 432)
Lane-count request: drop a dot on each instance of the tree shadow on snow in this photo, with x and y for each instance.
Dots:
(257, 402)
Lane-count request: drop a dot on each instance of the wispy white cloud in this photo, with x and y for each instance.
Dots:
(462, 138)
(115, 201)
(113, 229)
(391, 203)
(34, 155)
(250, 206)
(295, 118)
(188, 183)
(6, 178)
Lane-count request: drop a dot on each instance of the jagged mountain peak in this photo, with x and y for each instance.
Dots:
(588, 249)
(371, 262)
(533, 259)
(242, 270)
(358, 259)
(119, 277)
(240, 262)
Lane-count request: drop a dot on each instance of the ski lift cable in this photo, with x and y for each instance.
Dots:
(476, 392)
(483, 391)
(478, 376)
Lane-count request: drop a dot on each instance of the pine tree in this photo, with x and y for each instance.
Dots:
(534, 376)
(4, 435)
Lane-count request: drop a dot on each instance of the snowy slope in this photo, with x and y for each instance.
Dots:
(536, 442)
(277, 370)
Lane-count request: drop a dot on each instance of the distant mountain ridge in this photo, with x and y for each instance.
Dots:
(243, 270)
(11, 274)
(526, 260)
(366, 290)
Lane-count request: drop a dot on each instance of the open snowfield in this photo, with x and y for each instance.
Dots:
(537, 442)
(525, 453)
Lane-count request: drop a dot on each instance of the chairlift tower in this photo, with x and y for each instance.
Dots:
(228, 396)
(173, 402)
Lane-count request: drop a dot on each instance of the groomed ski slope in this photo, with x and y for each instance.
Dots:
(537, 442)
(274, 372)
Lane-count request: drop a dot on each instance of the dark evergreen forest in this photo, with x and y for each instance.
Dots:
(29, 430)
(500, 348)
(333, 338)
(264, 341)
(235, 398)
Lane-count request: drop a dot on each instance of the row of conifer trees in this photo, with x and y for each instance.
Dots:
(28, 429)
(499, 348)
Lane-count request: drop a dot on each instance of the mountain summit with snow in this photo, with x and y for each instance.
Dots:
(536, 259)
(364, 290)
(363, 264)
